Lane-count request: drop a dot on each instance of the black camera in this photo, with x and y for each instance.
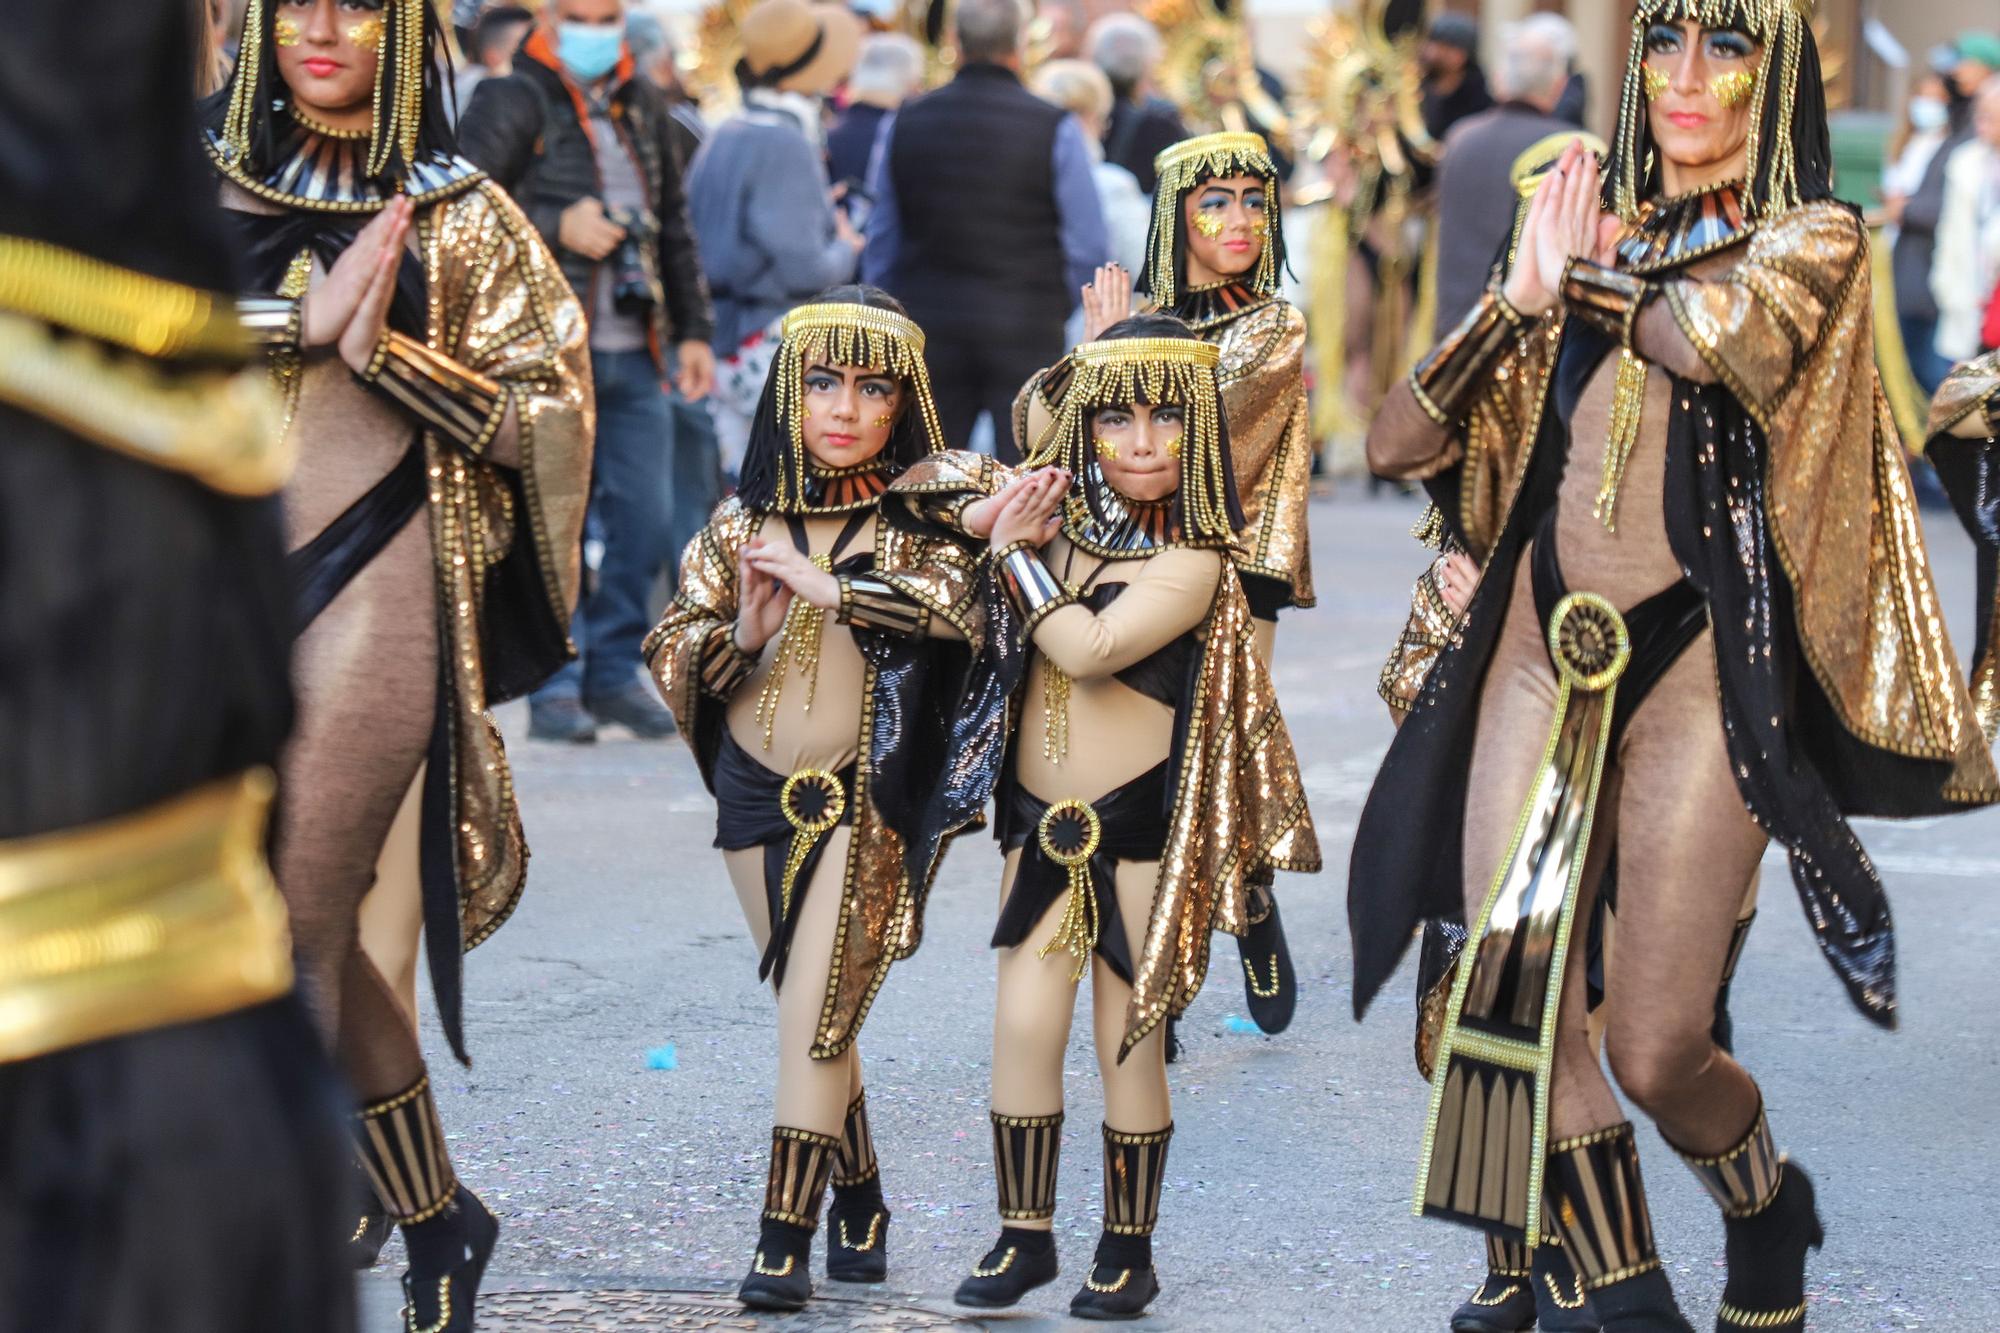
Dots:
(635, 276)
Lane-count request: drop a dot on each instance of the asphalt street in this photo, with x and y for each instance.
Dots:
(1287, 1203)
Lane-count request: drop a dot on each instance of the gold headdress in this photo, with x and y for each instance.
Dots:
(1183, 168)
(1787, 150)
(1118, 372)
(777, 472)
(1209, 69)
(404, 57)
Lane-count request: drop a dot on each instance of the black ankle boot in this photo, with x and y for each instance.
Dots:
(1561, 1303)
(1027, 1149)
(1270, 988)
(780, 1275)
(1019, 1261)
(1772, 1222)
(1122, 1282)
(1505, 1301)
(447, 1232)
(1596, 1201)
(371, 1233)
(857, 1221)
(448, 1255)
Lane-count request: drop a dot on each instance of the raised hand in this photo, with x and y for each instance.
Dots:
(1033, 514)
(1107, 298)
(760, 606)
(783, 562)
(371, 314)
(330, 307)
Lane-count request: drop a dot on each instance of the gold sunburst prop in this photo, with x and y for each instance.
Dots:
(1361, 98)
(1209, 69)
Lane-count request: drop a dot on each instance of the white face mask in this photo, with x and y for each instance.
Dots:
(1928, 114)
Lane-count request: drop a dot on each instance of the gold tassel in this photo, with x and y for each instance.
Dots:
(1628, 404)
(798, 645)
(1079, 927)
(806, 831)
(1055, 712)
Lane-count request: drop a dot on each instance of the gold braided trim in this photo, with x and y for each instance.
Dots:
(221, 427)
(1144, 351)
(853, 315)
(136, 311)
(1730, 1314)
(1203, 147)
(161, 917)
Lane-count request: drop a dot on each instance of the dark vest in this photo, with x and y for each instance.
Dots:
(981, 251)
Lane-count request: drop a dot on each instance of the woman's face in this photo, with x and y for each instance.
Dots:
(850, 412)
(1226, 228)
(1701, 89)
(1139, 448)
(327, 52)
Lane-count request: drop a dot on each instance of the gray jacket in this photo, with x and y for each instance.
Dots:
(757, 195)
(1476, 199)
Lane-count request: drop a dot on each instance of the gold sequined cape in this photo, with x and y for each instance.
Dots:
(881, 916)
(1430, 629)
(500, 306)
(1239, 801)
(1788, 332)
(1270, 440)
(1970, 469)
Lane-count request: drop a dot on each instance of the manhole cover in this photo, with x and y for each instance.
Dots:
(625, 1308)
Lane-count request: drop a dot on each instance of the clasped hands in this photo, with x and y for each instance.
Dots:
(1565, 221)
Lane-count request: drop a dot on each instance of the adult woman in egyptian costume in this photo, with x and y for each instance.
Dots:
(806, 658)
(1149, 778)
(1666, 439)
(434, 372)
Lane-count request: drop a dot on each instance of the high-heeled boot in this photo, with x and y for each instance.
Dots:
(1505, 1301)
(1772, 1222)
(1026, 1151)
(857, 1221)
(1597, 1206)
(447, 1232)
(1270, 987)
(780, 1276)
(1122, 1282)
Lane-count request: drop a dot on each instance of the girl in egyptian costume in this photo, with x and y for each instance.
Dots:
(433, 370)
(1215, 257)
(812, 657)
(1706, 620)
(1148, 777)
(1965, 449)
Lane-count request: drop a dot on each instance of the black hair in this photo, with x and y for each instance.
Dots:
(765, 457)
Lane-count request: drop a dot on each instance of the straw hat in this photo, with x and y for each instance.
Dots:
(810, 47)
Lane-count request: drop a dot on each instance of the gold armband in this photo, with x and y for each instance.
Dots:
(724, 666)
(1606, 299)
(868, 602)
(271, 322)
(165, 916)
(1447, 381)
(459, 403)
(1030, 584)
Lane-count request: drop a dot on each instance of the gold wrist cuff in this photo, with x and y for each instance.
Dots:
(870, 603)
(1452, 376)
(156, 918)
(270, 322)
(724, 666)
(453, 400)
(1605, 299)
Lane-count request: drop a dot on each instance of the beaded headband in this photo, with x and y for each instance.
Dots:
(1178, 351)
(848, 315)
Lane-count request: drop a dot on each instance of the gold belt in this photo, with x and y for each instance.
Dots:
(161, 917)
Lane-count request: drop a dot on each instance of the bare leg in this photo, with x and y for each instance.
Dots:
(392, 915)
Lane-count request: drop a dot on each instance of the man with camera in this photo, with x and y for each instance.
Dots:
(586, 147)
